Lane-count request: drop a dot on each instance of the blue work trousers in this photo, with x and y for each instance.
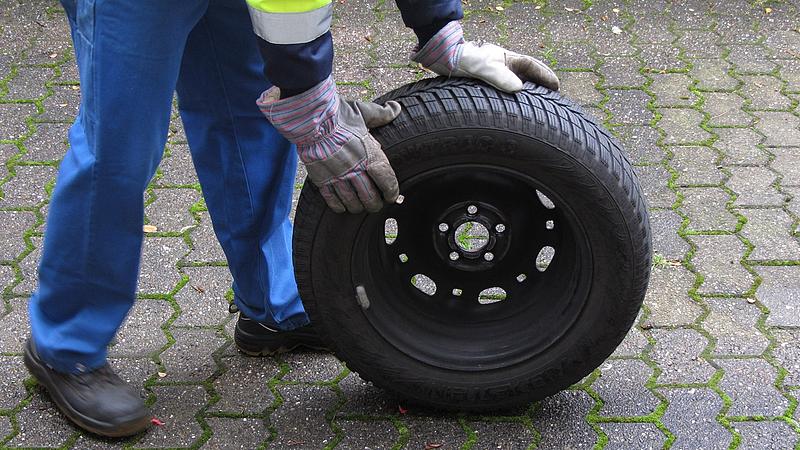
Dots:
(132, 56)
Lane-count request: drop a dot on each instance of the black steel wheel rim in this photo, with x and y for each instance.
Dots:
(500, 294)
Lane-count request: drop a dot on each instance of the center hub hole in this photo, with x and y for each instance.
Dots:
(472, 236)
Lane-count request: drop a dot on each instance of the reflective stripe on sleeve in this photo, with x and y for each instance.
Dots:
(291, 27)
(287, 6)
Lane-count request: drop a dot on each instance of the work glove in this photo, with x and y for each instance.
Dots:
(332, 136)
(449, 55)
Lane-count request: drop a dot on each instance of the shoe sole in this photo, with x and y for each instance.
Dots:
(42, 375)
(251, 350)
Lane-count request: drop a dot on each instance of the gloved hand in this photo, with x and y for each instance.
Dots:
(449, 55)
(332, 136)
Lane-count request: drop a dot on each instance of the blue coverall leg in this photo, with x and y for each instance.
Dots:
(131, 56)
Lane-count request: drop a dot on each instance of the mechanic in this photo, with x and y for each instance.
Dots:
(132, 57)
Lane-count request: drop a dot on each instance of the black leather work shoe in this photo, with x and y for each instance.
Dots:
(256, 339)
(98, 401)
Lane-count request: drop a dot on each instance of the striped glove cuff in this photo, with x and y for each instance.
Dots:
(443, 51)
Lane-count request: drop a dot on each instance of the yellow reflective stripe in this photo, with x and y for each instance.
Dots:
(287, 6)
(291, 28)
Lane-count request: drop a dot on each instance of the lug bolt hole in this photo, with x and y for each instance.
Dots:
(472, 209)
(500, 228)
(488, 256)
(443, 227)
(454, 256)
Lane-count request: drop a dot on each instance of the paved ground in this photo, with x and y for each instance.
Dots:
(705, 95)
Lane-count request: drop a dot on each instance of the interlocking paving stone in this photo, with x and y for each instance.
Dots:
(580, 87)
(677, 353)
(12, 390)
(732, 322)
(712, 74)
(699, 44)
(363, 398)
(425, 432)
(682, 126)
(740, 146)
(176, 406)
(15, 223)
(633, 345)
(135, 371)
(502, 435)
(41, 425)
(770, 231)
(29, 267)
(696, 166)
(190, 357)
(629, 107)
(573, 56)
(761, 435)
(560, 420)
(639, 143)
(691, 418)
(6, 277)
(170, 210)
(7, 151)
(787, 163)
(27, 188)
(655, 183)
(62, 105)
(659, 57)
(706, 209)
(625, 436)
(668, 299)
(666, 241)
(781, 128)
(750, 59)
(141, 334)
(621, 385)
(725, 109)
(780, 292)
(718, 260)
(158, 273)
(312, 367)
(672, 89)
(177, 169)
(29, 83)
(300, 420)
(231, 434)
(367, 434)
(202, 299)
(13, 124)
(47, 143)
(750, 384)
(787, 353)
(622, 71)
(15, 327)
(790, 72)
(764, 92)
(243, 387)
(753, 186)
(205, 246)
(5, 427)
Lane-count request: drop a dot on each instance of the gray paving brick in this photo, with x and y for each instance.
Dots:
(432, 431)
(780, 292)
(629, 107)
(739, 146)
(523, 22)
(243, 387)
(15, 327)
(387, 79)
(502, 435)
(781, 128)
(573, 55)
(750, 59)
(706, 209)
(29, 267)
(312, 367)
(770, 231)
(753, 186)
(13, 117)
(761, 435)
(677, 353)
(170, 210)
(6, 277)
(27, 188)
(790, 72)
(682, 126)
(15, 223)
(160, 255)
(231, 434)
(699, 44)
(202, 299)
(633, 345)
(205, 246)
(668, 299)
(580, 87)
(176, 406)
(300, 420)
(639, 143)
(62, 105)
(177, 169)
(718, 260)
(691, 418)
(47, 143)
(713, 74)
(750, 384)
(732, 322)
(787, 163)
(29, 83)
(12, 390)
(696, 166)
(41, 425)
(725, 109)
(622, 71)
(367, 434)
(621, 385)
(694, 17)
(787, 353)
(190, 358)
(560, 420)
(666, 241)
(5, 427)
(141, 334)
(672, 89)
(660, 57)
(655, 183)
(624, 436)
(650, 29)
(7, 151)
(363, 398)
(764, 92)
(135, 371)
